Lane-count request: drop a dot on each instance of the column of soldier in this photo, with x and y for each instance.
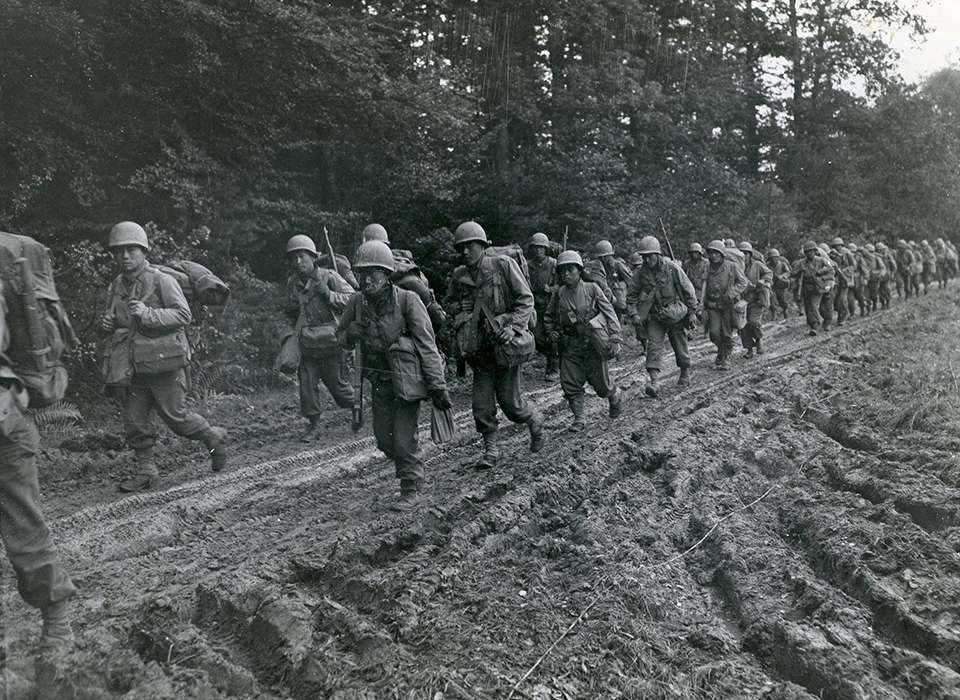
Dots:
(499, 310)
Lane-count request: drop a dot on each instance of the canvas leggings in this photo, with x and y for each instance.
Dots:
(493, 386)
(583, 366)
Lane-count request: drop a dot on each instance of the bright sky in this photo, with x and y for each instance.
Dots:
(941, 47)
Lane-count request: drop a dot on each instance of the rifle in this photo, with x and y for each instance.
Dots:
(356, 418)
(666, 239)
(39, 347)
(566, 230)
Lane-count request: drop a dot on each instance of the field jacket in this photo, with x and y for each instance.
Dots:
(653, 293)
(725, 284)
(760, 279)
(817, 275)
(570, 310)
(319, 299)
(782, 272)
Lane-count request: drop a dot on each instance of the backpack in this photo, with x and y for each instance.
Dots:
(37, 321)
(516, 253)
(199, 284)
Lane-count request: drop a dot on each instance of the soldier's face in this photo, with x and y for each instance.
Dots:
(695, 256)
(471, 252)
(302, 263)
(570, 274)
(714, 257)
(809, 254)
(372, 280)
(537, 252)
(130, 257)
(651, 261)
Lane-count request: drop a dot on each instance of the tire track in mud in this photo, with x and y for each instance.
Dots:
(478, 518)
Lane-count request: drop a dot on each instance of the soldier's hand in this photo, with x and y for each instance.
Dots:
(506, 334)
(136, 309)
(108, 323)
(441, 399)
(554, 338)
(466, 306)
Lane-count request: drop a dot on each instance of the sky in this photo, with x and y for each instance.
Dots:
(941, 47)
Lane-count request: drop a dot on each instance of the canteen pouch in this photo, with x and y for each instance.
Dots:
(521, 347)
(318, 340)
(674, 312)
(288, 359)
(740, 314)
(406, 372)
(164, 353)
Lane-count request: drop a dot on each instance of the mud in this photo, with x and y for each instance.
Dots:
(789, 529)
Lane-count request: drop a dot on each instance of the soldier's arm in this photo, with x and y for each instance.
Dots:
(766, 276)
(740, 283)
(175, 312)
(339, 291)
(348, 317)
(687, 291)
(451, 300)
(551, 322)
(420, 329)
(606, 308)
(522, 306)
(633, 293)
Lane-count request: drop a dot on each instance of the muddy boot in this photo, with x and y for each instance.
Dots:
(409, 495)
(576, 407)
(812, 332)
(491, 452)
(718, 359)
(552, 374)
(725, 359)
(760, 349)
(652, 389)
(748, 354)
(215, 439)
(535, 426)
(684, 379)
(56, 634)
(615, 402)
(147, 475)
(310, 433)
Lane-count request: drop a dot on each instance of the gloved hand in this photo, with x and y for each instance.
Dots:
(441, 399)
(466, 306)
(506, 334)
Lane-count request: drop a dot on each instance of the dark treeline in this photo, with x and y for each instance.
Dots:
(257, 119)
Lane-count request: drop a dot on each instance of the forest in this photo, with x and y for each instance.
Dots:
(228, 126)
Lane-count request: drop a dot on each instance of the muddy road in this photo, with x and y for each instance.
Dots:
(788, 529)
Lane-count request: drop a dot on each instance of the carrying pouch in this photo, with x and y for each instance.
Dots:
(406, 372)
(599, 336)
(520, 348)
(164, 353)
(674, 312)
(288, 359)
(740, 314)
(319, 340)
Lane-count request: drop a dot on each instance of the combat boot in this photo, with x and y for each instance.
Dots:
(147, 475)
(652, 389)
(748, 354)
(615, 401)
(535, 426)
(491, 452)
(725, 359)
(576, 407)
(215, 440)
(684, 379)
(760, 349)
(409, 494)
(310, 433)
(56, 633)
(552, 374)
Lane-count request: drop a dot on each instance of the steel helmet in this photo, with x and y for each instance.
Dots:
(871, 248)
(603, 248)
(836, 241)
(809, 245)
(375, 232)
(881, 245)
(824, 247)
(773, 253)
(695, 248)
(569, 257)
(301, 242)
(539, 239)
(128, 233)
(852, 247)
(470, 231)
(717, 246)
(635, 259)
(902, 243)
(648, 246)
(374, 254)
(745, 246)
(728, 243)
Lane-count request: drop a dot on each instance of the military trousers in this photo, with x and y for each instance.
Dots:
(395, 427)
(720, 328)
(856, 298)
(751, 334)
(928, 274)
(333, 370)
(41, 578)
(656, 331)
(873, 291)
(579, 366)
(904, 280)
(818, 308)
(781, 297)
(492, 386)
(884, 293)
(166, 395)
(840, 303)
(544, 346)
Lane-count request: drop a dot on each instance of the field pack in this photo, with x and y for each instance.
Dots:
(37, 321)
(199, 284)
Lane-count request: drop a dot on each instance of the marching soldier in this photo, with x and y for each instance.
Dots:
(929, 261)
(618, 274)
(543, 281)
(757, 295)
(725, 284)
(146, 367)
(400, 358)
(816, 278)
(845, 273)
(877, 277)
(857, 296)
(695, 266)
(572, 309)
(661, 301)
(491, 303)
(782, 274)
(890, 261)
(315, 297)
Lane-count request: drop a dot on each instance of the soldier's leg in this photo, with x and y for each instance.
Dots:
(334, 372)
(484, 397)
(406, 446)
(141, 435)
(573, 374)
(381, 411)
(654, 332)
(507, 382)
(170, 400)
(598, 374)
(41, 579)
(840, 304)
(755, 315)
(714, 328)
(826, 310)
(680, 345)
(811, 308)
(309, 375)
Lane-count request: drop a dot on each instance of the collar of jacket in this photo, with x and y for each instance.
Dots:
(137, 275)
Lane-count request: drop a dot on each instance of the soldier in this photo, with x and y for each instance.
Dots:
(845, 273)
(725, 284)
(953, 259)
(315, 296)
(146, 368)
(661, 301)
(916, 268)
(943, 263)
(929, 262)
(905, 265)
(41, 579)
(543, 282)
(885, 293)
(635, 260)
(816, 277)
(400, 358)
(695, 268)
(618, 274)
(876, 276)
(757, 296)
(857, 295)
(733, 254)
(568, 322)
(782, 274)
(487, 287)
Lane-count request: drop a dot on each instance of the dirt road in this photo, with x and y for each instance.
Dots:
(788, 529)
